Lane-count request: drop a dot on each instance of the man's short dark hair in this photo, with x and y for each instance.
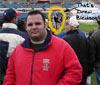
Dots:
(34, 12)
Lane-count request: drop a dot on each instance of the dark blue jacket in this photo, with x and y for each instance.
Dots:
(3, 59)
(63, 33)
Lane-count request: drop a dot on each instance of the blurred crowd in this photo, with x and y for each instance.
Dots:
(30, 48)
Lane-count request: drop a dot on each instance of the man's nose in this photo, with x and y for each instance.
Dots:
(33, 26)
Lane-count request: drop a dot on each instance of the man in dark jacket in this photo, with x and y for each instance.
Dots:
(81, 46)
(9, 32)
(95, 40)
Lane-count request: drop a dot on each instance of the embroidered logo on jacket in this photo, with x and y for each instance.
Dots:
(45, 64)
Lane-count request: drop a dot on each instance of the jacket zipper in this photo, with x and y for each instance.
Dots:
(32, 69)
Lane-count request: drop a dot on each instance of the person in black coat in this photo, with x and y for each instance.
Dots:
(81, 46)
(95, 40)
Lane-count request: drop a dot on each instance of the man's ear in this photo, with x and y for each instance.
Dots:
(13, 20)
(67, 28)
(45, 25)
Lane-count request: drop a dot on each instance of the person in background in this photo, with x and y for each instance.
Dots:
(63, 33)
(38, 59)
(1, 22)
(56, 20)
(90, 33)
(21, 25)
(81, 46)
(95, 40)
(9, 33)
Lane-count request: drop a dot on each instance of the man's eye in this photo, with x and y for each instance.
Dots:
(38, 23)
(29, 24)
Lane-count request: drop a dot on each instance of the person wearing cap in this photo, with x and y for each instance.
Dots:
(63, 33)
(81, 46)
(10, 16)
(9, 32)
(95, 40)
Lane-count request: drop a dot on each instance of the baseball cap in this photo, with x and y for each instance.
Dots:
(10, 13)
(73, 21)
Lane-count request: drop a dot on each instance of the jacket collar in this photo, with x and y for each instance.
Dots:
(27, 42)
(9, 25)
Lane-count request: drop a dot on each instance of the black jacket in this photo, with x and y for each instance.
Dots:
(3, 58)
(95, 41)
(82, 47)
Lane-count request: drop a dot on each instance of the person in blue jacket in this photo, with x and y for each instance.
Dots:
(63, 33)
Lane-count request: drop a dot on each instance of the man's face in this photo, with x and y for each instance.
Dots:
(36, 27)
